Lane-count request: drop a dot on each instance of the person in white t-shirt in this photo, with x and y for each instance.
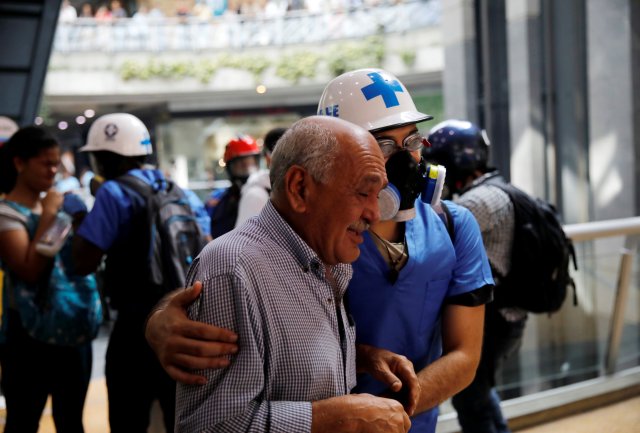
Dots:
(255, 193)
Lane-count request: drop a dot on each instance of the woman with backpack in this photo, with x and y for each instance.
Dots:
(34, 364)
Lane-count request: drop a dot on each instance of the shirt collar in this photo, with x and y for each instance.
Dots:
(305, 256)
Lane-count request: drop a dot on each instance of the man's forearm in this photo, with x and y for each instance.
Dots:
(362, 413)
(164, 301)
(444, 378)
(86, 256)
(462, 329)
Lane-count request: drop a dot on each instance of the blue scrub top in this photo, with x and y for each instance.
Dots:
(110, 217)
(405, 317)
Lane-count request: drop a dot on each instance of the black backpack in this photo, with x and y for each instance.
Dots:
(539, 275)
(175, 236)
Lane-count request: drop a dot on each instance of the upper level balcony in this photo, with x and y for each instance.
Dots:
(236, 62)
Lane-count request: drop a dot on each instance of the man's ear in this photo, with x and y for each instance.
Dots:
(18, 163)
(296, 187)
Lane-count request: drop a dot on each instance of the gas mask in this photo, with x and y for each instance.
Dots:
(240, 180)
(409, 180)
(241, 168)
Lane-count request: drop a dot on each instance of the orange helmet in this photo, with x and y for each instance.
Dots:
(242, 145)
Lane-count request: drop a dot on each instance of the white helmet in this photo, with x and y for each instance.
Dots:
(7, 128)
(120, 133)
(371, 98)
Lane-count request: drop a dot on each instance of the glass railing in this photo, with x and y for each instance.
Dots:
(237, 31)
(594, 340)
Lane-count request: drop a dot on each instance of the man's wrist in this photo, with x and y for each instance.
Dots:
(161, 305)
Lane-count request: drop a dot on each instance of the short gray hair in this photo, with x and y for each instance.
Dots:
(308, 144)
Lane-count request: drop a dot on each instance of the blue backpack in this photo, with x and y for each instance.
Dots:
(62, 308)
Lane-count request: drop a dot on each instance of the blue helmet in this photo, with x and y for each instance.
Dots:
(461, 146)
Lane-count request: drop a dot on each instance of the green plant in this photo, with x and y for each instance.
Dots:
(354, 55)
(292, 67)
(203, 70)
(408, 57)
(296, 66)
(255, 65)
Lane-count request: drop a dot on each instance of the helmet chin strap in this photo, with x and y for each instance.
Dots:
(405, 215)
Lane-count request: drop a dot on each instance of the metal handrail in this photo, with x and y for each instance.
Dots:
(629, 227)
(230, 32)
(599, 229)
(536, 406)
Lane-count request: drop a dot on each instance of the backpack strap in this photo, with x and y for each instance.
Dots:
(14, 212)
(24, 216)
(136, 184)
(447, 219)
(143, 191)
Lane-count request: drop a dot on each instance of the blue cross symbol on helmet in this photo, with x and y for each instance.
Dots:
(381, 87)
(146, 140)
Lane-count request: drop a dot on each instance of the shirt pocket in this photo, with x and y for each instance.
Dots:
(432, 305)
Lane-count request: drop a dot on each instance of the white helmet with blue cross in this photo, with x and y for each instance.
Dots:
(371, 98)
(120, 133)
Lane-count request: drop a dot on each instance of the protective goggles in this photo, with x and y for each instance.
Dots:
(411, 143)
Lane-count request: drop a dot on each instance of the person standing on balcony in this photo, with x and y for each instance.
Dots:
(103, 13)
(68, 13)
(117, 11)
(463, 148)
(86, 10)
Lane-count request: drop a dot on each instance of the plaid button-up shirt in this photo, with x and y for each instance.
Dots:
(296, 344)
(493, 210)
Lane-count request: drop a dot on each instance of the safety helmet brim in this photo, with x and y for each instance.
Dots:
(398, 120)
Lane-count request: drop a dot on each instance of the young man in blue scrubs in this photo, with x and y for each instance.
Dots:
(117, 226)
(417, 289)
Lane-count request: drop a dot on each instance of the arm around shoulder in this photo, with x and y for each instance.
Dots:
(183, 345)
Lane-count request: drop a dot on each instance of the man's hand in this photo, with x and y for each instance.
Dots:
(361, 413)
(182, 344)
(394, 370)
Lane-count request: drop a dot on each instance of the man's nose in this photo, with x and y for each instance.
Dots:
(372, 211)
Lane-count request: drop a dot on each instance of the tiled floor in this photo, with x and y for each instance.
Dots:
(622, 417)
(95, 413)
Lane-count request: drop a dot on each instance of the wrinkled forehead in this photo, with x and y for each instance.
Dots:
(368, 165)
